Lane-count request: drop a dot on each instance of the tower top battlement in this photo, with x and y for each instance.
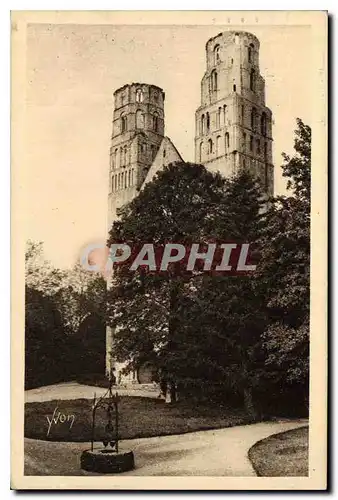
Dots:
(139, 93)
(233, 123)
(238, 47)
(236, 37)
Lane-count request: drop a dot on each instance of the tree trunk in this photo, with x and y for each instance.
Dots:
(174, 300)
(173, 392)
(249, 404)
(170, 393)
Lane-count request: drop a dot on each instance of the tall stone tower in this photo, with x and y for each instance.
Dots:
(138, 152)
(138, 130)
(233, 125)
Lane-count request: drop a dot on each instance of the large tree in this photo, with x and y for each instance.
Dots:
(227, 312)
(46, 349)
(144, 308)
(65, 315)
(200, 330)
(285, 271)
(80, 294)
(39, 273)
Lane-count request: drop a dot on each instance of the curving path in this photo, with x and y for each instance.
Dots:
(222, 452)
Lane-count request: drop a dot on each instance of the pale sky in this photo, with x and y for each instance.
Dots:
(72, 72)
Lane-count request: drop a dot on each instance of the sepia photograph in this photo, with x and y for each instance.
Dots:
(169, 176)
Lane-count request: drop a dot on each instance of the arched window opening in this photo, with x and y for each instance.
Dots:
(250, 53)
(139, 119)
(122, 180)
(139, 95)
(129, 178)
(123, 123)
(225, 114)
(213, 80)
(125, 179)
(155, 122)
(201, 151)
(121, 158)
(251, 143)
(252, 80)
(210, 146)
(217, 54)
(218, 118)
(125, 155)
(236, 38)
(115, 157)
(227, 141)
(208, 122)
(218, 145)
(253, 118)
(202, 125)
(119, 181)
(263, 124)
(234, 87)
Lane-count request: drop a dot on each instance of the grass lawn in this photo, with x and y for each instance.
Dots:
(138, 417)
(284, 454)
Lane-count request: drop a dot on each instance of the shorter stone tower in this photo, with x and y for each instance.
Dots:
(139, 150)
(138, 130)
(233, 124)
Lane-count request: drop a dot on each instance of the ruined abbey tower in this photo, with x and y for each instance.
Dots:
(233, 131)
(137, 143)
(139, 149)
(233, 124)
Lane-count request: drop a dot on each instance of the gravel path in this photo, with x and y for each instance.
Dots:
(222, 452)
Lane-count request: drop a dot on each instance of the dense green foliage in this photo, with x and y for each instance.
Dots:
(242, 339)
(237, 337)
(200, 330)
(285, 273)
(64, 323)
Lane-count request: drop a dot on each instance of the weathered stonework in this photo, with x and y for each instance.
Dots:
(233, 125)
(138, 151)
(138, 130)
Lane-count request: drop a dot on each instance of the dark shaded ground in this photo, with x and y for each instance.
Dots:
(138, 417)
(284, 454)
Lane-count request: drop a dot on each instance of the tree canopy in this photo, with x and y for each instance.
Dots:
(188, 325)
(285, 270)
